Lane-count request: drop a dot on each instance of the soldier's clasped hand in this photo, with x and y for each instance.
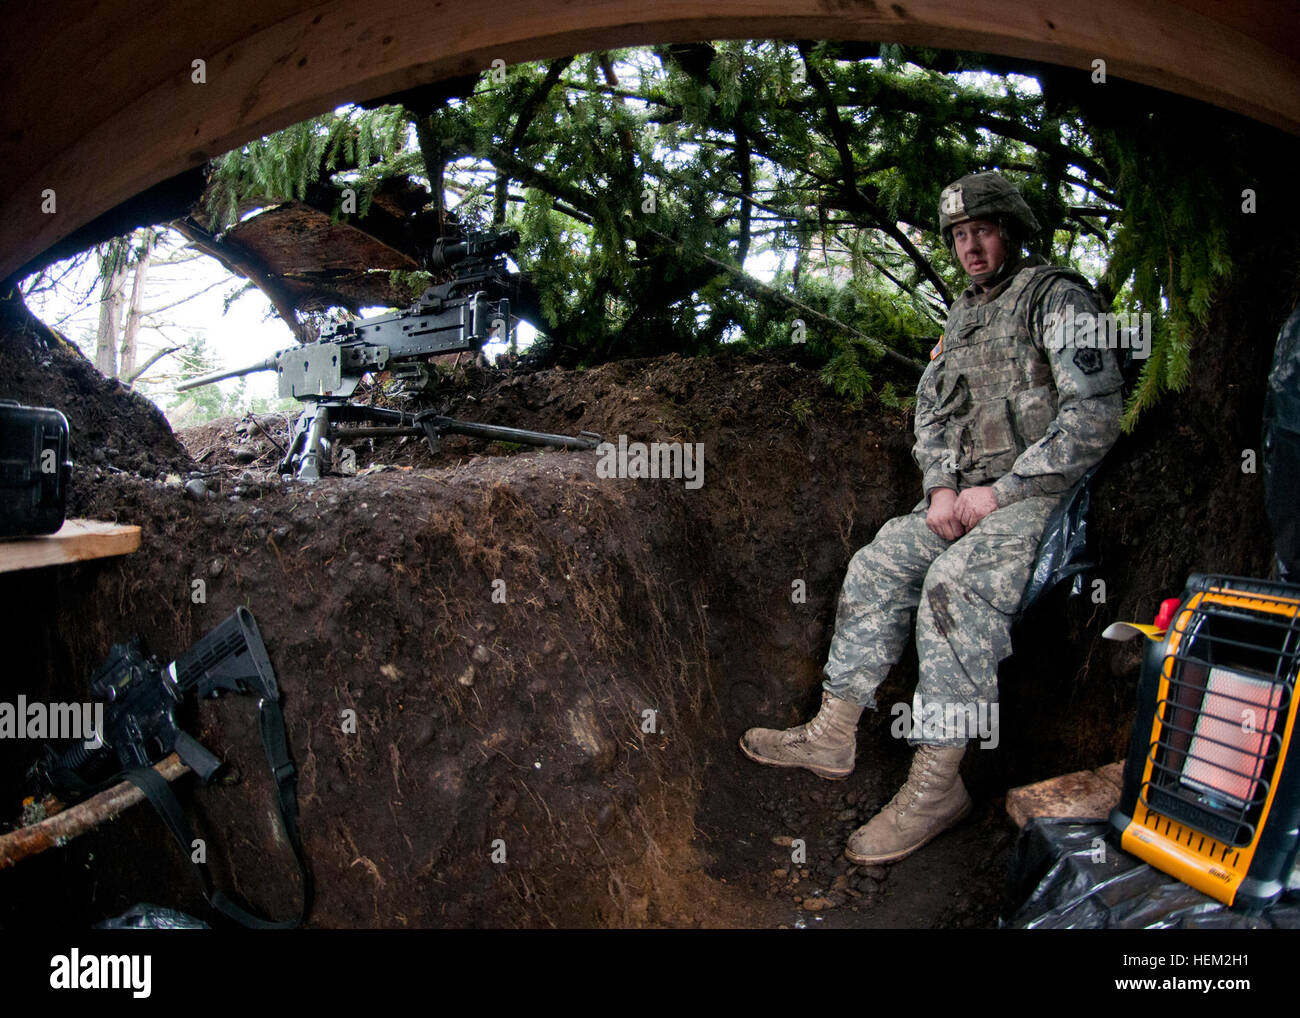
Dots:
(973, 505)
(942, 517)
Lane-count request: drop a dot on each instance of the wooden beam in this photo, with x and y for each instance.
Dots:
(98, 110)
(76, 541)
(76, 820)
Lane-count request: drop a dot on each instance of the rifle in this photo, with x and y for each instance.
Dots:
(451, 317)
(139, 729)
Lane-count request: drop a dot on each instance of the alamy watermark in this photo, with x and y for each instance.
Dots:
(677, 460)
(941, 720)
(1083, 330)
(75, 971)
(53, 721)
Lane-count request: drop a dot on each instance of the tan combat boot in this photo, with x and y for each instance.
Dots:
(932, 800)
(825, 745)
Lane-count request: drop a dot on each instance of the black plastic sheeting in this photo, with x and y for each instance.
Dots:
(152, 917)
(1076, 878)
(1063, 549)
(1282, 449)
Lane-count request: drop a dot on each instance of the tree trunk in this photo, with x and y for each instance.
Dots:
(113, 269)
(127, 369)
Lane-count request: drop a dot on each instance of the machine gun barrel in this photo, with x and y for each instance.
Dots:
(216, 376)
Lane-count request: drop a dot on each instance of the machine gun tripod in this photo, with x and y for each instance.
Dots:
(319, 426)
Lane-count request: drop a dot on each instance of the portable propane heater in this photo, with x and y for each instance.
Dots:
(1210, 794)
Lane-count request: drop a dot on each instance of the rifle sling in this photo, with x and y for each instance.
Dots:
(160, 793)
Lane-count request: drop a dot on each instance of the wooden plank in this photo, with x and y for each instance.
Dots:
(85, 816)
(1082, 794)
(76, 541)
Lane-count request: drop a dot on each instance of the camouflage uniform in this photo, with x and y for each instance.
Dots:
(1008, 402)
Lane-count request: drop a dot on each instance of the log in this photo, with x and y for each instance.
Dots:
(76, 820)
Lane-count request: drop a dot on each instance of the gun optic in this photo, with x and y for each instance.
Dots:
(475, 247)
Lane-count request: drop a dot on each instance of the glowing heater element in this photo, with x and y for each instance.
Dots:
(1228, 748)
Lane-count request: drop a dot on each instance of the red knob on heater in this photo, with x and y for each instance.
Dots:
(1165, 617)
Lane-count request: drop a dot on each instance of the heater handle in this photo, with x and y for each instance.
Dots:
(1245, 584)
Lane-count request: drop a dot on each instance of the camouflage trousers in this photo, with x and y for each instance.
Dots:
(965, 594)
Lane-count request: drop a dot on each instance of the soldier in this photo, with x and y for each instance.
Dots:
(1010, 413)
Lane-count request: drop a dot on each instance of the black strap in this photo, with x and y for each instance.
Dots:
(159, 792)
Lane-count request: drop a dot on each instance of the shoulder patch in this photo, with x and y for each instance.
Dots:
(1088, 360)
(1048, 276)
(938, 349)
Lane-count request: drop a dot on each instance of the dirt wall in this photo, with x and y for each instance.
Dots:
(525, 720)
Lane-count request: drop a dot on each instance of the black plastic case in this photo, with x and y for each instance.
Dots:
(35, 469)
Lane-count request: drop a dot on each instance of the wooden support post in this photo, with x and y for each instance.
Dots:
(78, 819)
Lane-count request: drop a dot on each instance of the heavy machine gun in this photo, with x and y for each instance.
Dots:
(451, 317)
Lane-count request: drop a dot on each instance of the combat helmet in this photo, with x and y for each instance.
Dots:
(984, 196)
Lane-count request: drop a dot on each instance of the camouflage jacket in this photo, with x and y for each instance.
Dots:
(1006, 400)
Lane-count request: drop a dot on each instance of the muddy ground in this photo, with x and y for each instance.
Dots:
(555, 668)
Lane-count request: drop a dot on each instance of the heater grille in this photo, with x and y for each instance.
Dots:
(1218, 739)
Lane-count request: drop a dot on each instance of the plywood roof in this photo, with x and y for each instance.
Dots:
(102, 101)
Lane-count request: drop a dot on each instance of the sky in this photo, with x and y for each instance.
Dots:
(242, 335)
